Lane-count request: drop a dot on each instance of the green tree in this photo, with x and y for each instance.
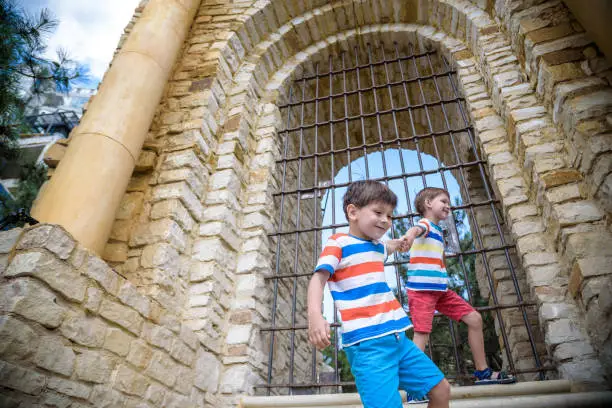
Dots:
(24, 67)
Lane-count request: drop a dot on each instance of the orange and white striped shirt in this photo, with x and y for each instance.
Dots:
(357, 284)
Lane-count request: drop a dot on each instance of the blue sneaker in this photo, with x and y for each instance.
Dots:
(422, 400)
(485, 377)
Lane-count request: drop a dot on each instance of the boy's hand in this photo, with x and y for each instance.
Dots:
(318, 332)
(401, 245)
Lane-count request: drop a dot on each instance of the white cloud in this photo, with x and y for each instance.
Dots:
(88, 29)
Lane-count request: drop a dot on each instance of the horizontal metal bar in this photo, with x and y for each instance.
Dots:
(395, 140)
(362, 66)
(388, 178)
(377, 113)
(438, 315)
(366, 89)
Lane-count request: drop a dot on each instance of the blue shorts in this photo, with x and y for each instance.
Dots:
(383, 365)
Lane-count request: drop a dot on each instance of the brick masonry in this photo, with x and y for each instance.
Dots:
(191, 235)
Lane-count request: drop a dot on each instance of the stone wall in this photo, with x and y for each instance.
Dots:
(74, 332)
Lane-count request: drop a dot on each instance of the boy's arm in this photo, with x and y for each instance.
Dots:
(318, 327)
(410, 236)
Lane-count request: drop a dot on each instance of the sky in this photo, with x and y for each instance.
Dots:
(88, 29)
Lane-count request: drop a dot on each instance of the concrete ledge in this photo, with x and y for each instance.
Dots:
(520, 390)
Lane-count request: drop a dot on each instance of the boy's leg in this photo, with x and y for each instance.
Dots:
(418, 376)
(374, 364)
(422, 305)
(476, 339)
(420, 339)
(455, 307)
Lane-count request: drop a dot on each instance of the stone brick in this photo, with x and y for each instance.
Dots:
(117, 341)
(163, 369)
(93, 299)
(146, 161)
(586, 268)
(160, 255)
(57, 274)
(130, 382)
(71, 388)
(84, 330)
(122, 315)
(130, 296)
(158, 336)
(163, 230)
(577, 212)
(567, 351)
(94, 366)
(8, 239)
(559, 177)
(99, 271)
(21, 379)
(155, 394)
(115, 252)
(60, 243)
(175, 210)
(562, 331)
(35, 237)
(140, 354)
(582, 371)
(54, 356)
(181, 352)
(563, 193)
(32, 300)
(17, 339)
(208, 370)
(105, 397)
(182, 192)
(189, 337)
(130, 207)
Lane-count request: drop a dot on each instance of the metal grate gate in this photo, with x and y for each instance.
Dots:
(395, 115)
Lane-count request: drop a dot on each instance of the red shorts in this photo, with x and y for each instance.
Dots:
(423, 303)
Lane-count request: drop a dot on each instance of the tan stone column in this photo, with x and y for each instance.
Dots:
(85, 191)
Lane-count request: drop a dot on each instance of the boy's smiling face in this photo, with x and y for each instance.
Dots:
(438, 208)
(371, 221)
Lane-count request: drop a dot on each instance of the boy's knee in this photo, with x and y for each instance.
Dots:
(441, 392)
(474, 319)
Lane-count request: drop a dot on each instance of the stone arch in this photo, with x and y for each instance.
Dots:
(262, 164)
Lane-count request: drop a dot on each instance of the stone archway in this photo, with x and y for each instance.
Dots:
(271, 121)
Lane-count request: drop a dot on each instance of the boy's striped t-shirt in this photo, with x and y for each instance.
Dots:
(357, 284)
(426, 270)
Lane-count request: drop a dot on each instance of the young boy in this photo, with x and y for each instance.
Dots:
(427, 283)
(382, 358)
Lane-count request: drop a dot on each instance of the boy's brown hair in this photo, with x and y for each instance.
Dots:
(365, 192)
(428, 193)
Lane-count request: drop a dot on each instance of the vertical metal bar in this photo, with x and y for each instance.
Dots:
(382, 151)
(317, 208)
(410, 115)
(401, 293)
(346, 122)
(363, 135)
(498, 227)
(278, 248)
(333, 198)
(297, 245)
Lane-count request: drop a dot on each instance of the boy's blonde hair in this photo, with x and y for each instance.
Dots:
(428, 193)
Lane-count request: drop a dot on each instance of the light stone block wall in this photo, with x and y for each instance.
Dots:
(200, 209)
(74, 332)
